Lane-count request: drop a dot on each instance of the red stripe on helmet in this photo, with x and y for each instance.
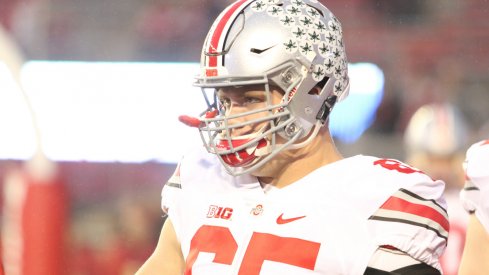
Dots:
(216, 35)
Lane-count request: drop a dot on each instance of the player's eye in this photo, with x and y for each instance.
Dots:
(224, 103)
(252, 100)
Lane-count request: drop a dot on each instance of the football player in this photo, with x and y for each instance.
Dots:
(274, 196)
(475, 197)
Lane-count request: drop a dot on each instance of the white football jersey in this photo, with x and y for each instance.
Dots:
(475, 195)
(329, 222)
(458, 218)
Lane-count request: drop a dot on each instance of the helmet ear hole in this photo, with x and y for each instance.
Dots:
(316, 90)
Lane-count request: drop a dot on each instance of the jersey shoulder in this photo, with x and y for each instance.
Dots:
(367, 180)
(401, 206)
(199, 171)
(413, 218)
(192, 165)
(386, 176)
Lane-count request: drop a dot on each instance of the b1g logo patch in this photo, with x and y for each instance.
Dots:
(219, 212)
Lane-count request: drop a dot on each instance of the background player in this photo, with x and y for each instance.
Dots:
(475, 197)
(275, 195)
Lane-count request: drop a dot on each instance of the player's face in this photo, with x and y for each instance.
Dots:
(244, 104)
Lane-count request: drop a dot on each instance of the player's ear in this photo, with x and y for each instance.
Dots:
(316, 90)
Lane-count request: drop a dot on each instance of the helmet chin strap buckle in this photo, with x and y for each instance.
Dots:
(326, 108)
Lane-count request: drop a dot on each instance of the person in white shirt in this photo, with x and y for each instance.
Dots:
(475, 197)
(274, 196)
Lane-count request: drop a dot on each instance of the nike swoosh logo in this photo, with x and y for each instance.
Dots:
(259, 51)
(281, 220)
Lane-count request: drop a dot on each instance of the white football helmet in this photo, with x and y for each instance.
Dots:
(295, 45)
(437, 129)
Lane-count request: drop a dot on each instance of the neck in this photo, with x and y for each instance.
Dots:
(290, 166)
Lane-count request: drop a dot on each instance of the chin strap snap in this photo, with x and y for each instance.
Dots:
(326, 108)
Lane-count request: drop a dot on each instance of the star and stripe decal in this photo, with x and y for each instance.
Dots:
(217, 38)
(409, 208)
